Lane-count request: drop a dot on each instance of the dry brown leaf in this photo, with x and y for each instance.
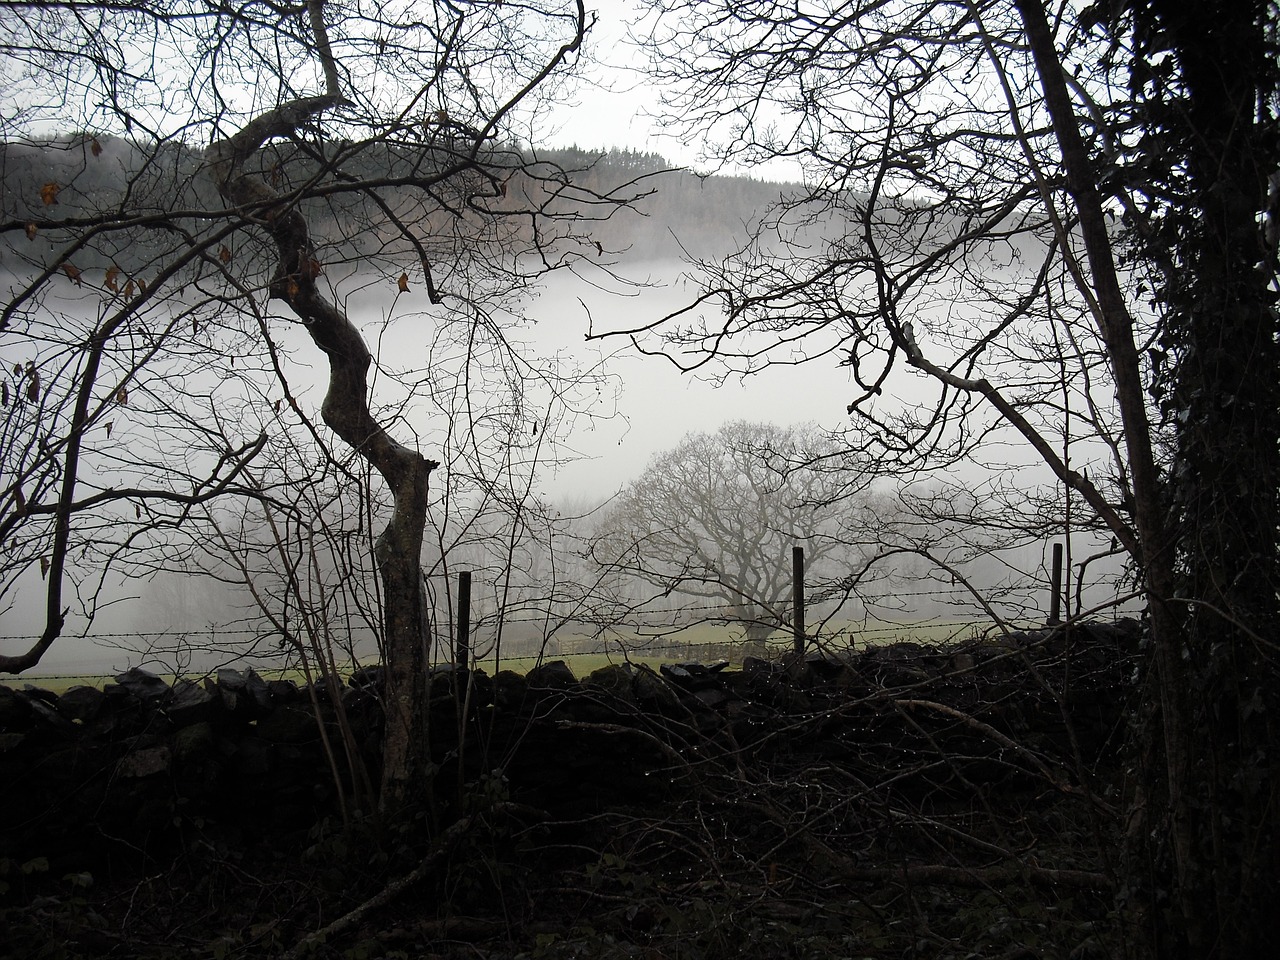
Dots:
(224, 253)
(109, 281)
(72, 271)
(122, 396)
(49, 193)
(31, 231)
(403, 283)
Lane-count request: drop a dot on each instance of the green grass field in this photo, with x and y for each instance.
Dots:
(586, 653)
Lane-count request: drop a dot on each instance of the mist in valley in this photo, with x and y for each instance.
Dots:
(542, 408)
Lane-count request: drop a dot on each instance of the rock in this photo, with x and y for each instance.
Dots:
(142, 684)
(11, 741)
(116, 695)
(443, 683)
(254, 758)
(614, 680)
(694, 676)
(555, 675)
(283, 691)
(678, 672)
(472, 686)
(712, 697)
(41, 694)
(322, 684)
(356, 700)
(369, 678)
(190, 703)
(145, 763)
(895, 663)
(824, 667)
(481, 688)
(758, 666)
(244, 693)
(51, 717)
(194, 742)
(510, 690)
(15, 709)
(81, 703)
(651, 688)
(288, 725)
(257, 689)
(1124, 635)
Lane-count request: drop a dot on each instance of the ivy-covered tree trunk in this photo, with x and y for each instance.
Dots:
(1202, 864)
(1222, 331)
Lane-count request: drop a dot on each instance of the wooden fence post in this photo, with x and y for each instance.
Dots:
(1055, 587)
(462, 640)
(797, 598)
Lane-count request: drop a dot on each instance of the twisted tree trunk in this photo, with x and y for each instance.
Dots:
(346, 411)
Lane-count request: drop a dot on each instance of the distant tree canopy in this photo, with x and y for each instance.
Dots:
(716, 517)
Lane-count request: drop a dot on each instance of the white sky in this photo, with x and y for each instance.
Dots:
(614, 105)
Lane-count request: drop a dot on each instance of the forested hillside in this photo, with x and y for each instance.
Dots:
(669, 212)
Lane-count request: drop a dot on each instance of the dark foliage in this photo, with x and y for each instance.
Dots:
(955, 802)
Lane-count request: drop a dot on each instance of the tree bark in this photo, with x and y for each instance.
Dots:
(1226, 478)
(1155, 554)
(1202, 859)
(346, 411)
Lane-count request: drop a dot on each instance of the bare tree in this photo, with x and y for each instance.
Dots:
(971, 172)
(162, 294)
(716, 517)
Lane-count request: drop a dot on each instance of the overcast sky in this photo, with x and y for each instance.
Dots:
(615, 104)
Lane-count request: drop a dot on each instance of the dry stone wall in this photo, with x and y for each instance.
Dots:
(92, 776)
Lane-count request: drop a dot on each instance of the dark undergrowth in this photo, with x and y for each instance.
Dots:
(879, 818)
(702, 882)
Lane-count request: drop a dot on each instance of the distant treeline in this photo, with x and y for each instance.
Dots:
(103, 202)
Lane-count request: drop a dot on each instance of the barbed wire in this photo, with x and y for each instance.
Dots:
(729, 610)
(654, 635)
(726, 611)
(156, 634)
